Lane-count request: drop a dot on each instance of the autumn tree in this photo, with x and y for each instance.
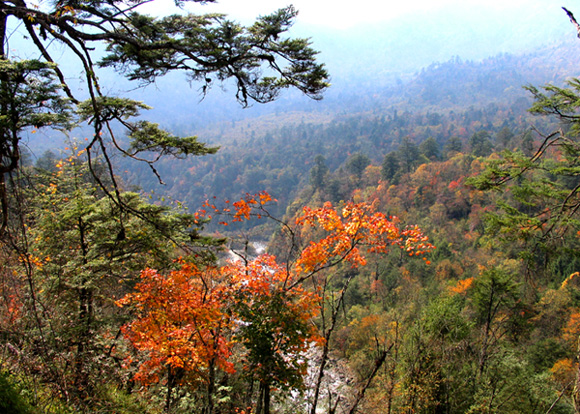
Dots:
(188, 321)
(183, 324)
(276, 326)
(71, 246)
(273, 305)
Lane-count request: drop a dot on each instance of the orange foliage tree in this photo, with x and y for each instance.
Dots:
(348, 235)
(189, 320)
(181, 324)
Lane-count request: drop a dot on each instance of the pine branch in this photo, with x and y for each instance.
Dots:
(573, 20)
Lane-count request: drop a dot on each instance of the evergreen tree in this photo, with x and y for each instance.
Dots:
(453, 145)
(409, 155)
(259, 60)
(430, 149)
(480, 144)
(542, 207)
(503, 138)
(390, 166)
(318, 173)
(527, 144)
(80, 253)
(357, 164)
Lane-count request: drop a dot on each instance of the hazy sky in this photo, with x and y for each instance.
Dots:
(336, 14)
(344, 14)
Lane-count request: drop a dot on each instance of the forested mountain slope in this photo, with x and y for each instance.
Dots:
(450, 100)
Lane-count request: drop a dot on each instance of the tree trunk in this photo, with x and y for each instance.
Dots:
(327, 334)
(392, 372)
(84, 323)
(3, 20)
(576, 391)
(210, 388)
(378, 363)
(260, 400)
(4, 133)
(168, 397)
(263, 405)
(266, 398)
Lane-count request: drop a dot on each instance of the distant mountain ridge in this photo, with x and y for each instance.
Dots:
(452, 85)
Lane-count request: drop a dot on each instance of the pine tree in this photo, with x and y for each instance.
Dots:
(209, 48)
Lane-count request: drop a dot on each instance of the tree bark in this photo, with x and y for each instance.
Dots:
(576, 391)
(327, 335)
(84, 322)
(168, 397)
(378, 363)
(210, 388)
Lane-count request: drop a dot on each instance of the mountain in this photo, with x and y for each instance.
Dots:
(275, 152)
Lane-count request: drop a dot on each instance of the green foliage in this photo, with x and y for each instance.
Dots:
(562, 102)
(267, 353)
(476, 330)
(82, 252)
(356, 164)
(11, 400)
(503, 138)
(318, 172)
(541, 185)
(114, 400)
(390, 166)
(459, 331)
(148, 137)
(494, 292)
(443, 319)
(453, 145)
(430, 149)
(30, 97)
(211, 46)
(409, 155)
(542, 355)
(480, 144)
(109, 108)
(254, 156)
(509, 386)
